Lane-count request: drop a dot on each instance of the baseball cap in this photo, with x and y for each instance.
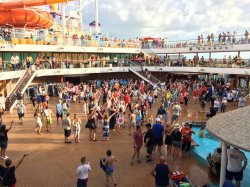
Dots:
(158, 120)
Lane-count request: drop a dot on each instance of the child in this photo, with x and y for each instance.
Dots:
(202, 133)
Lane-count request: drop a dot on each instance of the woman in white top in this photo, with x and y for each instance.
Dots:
(76, 127)
(38, 122)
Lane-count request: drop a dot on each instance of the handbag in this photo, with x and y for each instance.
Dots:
(2, 177)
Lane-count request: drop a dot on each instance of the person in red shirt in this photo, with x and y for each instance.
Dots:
(186, 132)
(127, 100)
(195, 95)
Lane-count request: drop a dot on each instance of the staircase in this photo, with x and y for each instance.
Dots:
(139, 71)
(21, 86)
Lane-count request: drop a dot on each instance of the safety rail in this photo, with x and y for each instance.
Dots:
(22, 84)
(62, 64)
(157, 43)
(69, 41)
(143, 72)
(140, 70)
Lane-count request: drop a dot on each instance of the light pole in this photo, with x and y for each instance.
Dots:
(96, 16)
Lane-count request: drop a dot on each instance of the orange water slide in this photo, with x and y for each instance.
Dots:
(13, 12)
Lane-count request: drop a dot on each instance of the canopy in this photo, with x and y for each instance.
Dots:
(232, 127)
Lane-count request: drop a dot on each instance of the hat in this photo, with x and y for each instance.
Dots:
(158, 120)
(148, 125)
(177, 126)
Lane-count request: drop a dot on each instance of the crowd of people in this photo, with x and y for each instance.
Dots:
(224, 38)
(106, 105)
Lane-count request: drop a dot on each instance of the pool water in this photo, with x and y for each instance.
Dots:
(207, 145)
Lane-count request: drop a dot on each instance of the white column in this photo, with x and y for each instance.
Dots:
(96, 16)
(81, 15)
(223, 163)
(63, 20)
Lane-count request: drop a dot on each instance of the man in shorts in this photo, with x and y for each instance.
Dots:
(149, 142)
(186, 138)
(59, 111)
(235, 157)
(176, 112)
(48, 114)
(158, 131)
(21, 110)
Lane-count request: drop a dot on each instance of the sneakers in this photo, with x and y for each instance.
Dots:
(149, 160)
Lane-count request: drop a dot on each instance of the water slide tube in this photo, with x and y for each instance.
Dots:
(13, 12)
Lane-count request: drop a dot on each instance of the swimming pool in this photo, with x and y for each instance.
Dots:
(207, 145)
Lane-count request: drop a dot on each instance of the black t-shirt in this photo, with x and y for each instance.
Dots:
(10, 177)
(3, 135)
(149, 135)
(176, 134)
(161, 111)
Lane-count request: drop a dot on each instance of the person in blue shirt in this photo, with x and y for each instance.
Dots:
(38, 99)
(59, 111)
(158, 131)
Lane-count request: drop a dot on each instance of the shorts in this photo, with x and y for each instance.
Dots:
(132, 124)
(174, 117)
(168, 140)
(186, 146)
(238, 176)
(150, 149)
(59, 115)
(67, 133)
(49, 121)
(82, 182)
(176, 144)
(20, 115)
(159, 141)
(3, 144)
(109, 171)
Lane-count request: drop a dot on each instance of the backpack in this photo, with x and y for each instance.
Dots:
(102, 165)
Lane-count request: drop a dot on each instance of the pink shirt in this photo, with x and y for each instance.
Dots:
(138, 137)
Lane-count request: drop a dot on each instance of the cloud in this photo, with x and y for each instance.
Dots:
(170, 18)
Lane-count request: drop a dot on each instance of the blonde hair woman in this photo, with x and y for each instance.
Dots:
(76, 123)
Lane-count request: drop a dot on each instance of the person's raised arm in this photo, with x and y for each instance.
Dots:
(10, 125)
(20, 162)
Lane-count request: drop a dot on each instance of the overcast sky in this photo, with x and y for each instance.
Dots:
(175, 19)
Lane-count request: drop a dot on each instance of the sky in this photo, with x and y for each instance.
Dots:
(174, 19)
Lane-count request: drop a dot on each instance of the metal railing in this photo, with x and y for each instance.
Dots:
(69, 41)
(215, 42)
(63, 64)
(142, 71)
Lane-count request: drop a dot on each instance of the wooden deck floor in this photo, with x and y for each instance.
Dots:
(53, 163)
